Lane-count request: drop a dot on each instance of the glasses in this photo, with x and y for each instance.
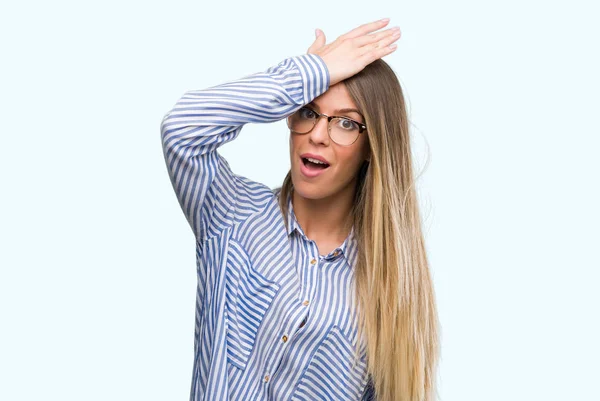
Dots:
(342, 130)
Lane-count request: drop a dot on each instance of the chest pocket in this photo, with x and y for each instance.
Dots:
(248, 298)
(330, 374)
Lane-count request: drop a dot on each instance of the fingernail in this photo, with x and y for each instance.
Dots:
(385, 20)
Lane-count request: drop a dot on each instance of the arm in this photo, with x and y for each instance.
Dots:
(203, 120)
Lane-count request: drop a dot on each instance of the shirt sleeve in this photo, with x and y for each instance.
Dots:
(202, 120)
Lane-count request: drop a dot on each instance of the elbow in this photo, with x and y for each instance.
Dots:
(164, 125)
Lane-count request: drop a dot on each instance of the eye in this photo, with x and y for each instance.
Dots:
(307, 113)
(347, 124)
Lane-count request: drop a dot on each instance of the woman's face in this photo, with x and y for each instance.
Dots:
(344, 161)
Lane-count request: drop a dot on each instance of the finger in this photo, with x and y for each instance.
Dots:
(375, 37)
(365, 28)
(378, 53)
(382, 43)
(319, 41)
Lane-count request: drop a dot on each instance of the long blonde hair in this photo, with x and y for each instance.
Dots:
(397, 312)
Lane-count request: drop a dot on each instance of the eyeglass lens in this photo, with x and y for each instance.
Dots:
(342, 131)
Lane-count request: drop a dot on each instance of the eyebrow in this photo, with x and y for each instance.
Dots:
(344, 110)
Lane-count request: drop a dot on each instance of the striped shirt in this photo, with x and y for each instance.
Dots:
(275, 320)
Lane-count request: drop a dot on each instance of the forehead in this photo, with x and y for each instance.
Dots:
(336, 100)
(336, 95)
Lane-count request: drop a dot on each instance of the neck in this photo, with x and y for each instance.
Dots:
(326, 218)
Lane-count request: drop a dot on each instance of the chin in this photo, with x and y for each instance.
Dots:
(318, 189)
(314, 191)
(309, 190)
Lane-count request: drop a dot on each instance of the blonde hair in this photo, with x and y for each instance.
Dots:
(397, 312)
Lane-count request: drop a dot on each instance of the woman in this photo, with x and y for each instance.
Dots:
(289, 279)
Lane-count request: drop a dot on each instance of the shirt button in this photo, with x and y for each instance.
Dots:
(284, 338)
(336, 253)
(313, 261)
(305, 303)
(266, 378)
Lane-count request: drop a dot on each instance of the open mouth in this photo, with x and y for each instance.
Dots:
(311, 165)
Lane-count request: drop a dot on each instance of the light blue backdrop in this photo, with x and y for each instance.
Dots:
(97, 278)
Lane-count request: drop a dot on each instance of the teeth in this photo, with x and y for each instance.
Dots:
(315, 160)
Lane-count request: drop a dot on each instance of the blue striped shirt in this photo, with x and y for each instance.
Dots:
(275, 320)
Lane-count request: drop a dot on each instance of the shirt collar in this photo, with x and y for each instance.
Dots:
(348, 248)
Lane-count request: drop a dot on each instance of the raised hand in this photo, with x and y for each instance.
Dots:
(353, 51)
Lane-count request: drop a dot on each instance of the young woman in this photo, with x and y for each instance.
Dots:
(319, 289)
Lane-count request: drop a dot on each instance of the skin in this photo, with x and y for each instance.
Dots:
(322, 204)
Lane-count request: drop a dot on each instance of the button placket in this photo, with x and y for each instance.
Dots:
(311, 273)
(266, 374)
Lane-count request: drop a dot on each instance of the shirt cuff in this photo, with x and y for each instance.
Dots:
(314, 74)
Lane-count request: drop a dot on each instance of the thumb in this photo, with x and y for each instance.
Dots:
(320, 37)
(319, 41)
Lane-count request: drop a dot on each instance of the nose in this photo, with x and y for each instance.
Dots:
(319, 133)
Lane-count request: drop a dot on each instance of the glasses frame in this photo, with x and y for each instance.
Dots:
(361, 127)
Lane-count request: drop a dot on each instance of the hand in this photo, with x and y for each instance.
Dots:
(353, 51)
